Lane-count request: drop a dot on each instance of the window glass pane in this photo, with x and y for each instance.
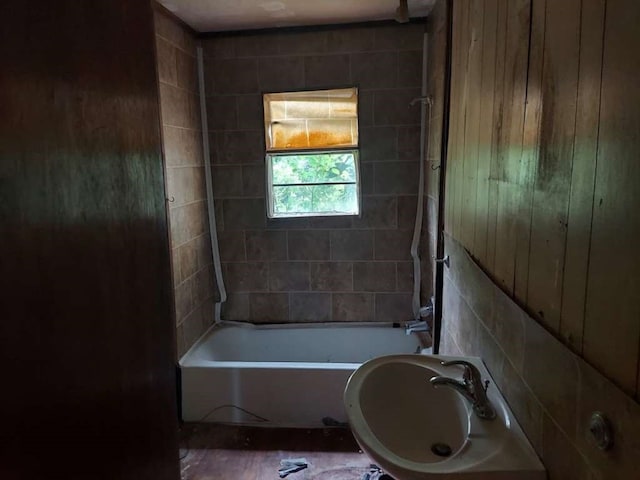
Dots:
(315, 199)
(313, 168)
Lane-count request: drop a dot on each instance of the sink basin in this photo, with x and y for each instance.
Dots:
(415, 431)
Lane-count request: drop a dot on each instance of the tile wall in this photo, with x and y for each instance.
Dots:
(551, 391)
(322, 269)
(193, 277)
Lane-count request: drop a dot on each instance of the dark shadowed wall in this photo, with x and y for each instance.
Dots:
(86, 339)
(192, 264)
(323, 269)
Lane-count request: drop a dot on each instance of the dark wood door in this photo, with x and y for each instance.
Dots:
(86, 336)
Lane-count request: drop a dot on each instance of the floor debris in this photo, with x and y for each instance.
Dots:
(292, 465)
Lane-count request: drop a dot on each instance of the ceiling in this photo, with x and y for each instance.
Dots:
(224, 15)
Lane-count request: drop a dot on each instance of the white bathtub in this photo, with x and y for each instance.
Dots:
(280, 375)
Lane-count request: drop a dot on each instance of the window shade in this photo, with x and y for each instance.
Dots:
(311, 119)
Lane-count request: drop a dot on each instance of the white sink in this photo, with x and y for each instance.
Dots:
(397, 416)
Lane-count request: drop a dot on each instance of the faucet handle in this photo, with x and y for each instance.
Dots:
(471, 372)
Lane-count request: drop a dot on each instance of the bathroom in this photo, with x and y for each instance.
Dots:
(529, 179)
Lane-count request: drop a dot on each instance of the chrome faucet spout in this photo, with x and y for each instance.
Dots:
(470, 387)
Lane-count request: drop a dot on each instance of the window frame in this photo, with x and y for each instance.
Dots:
(355, 151)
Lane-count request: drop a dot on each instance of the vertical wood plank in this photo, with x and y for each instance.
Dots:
(510, 147)
(497, 125)
(487, 84)
(472, 125)
(583, 174)
(553, 178)
(530, 149)
(612, 321)
(452, 147)
(461, 113)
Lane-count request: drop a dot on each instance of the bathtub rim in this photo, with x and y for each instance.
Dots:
(186, 361)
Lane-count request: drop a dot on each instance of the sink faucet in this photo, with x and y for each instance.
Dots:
(470, 387)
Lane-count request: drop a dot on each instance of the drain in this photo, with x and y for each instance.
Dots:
(441, 449)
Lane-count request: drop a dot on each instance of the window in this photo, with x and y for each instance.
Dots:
(312, 153)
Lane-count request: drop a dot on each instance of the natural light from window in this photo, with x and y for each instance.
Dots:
(312, 156)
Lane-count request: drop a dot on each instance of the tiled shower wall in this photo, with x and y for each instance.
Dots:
(192, 269)
(323, 269)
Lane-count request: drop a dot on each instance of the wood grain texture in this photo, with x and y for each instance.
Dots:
(612, 318)
(487, 85)
(506, 171)
(561, 215)
(86, 336)
(582, 174)
(553, 176)
(247, 453)
(530, 149)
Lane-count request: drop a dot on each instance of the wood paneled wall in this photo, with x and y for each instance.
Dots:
(543, 165)
(86, 338)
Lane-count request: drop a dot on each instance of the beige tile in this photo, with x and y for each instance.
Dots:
(560, 457)
(288, 276)
(335, 223)
(353, 39)
(269, 307)
(399, 37)
(302, 42)
(327, 71)
(310, 307)
(237, 75)
(250, 115)
(375, 69)
(187, 71)
(410, 68)
(174, 106)
(166, 57)
(331, 276)
(378, 144)
(393, 245)
(246, 277)
(236, 308)
(232, 246)
(596, 393)
(239, 147)
(352, 307)
(180, 343)
(185, 184)
(222, 112)
(182, 147)
(241, 214)
(391, 107)
(227, 181)
(308, 245)
(253, 180)
(268, 245)
(280, 74)
(409, 143)
(183, 300)
(396, 178)
(524, 405)
(219, 47)
(366, 178)
(377, 212)
(188, 258)
(404, 272)
(374, 276)
(393, 307)
(407, 207)
(351, 245)
(552, 373)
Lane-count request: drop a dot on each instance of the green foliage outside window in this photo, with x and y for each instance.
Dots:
(314, 183)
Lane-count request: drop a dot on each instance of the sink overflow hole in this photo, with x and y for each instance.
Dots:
(441, 449)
